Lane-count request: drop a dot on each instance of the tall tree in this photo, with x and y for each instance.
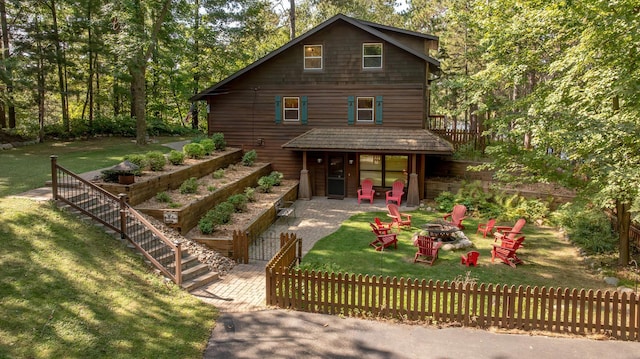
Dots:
(8, 98)
(137, 37)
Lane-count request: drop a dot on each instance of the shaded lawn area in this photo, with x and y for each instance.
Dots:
(29, 167)
(548, 259)
(68, 290)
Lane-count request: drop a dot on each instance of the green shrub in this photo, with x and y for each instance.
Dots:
(193, 150)
(265, 183)
(189, 186)
(163, 197)
(139, 160)
(224, 210)
(219, 173)
(156, 160)
(218, 139)
(277, 177)
(250, 193)
(174, 205)
(239, 202)
(588, 227)
(445, 201)
(208, 145)
(211, 188)
(176, 157)
(207, 224)
(249, 158)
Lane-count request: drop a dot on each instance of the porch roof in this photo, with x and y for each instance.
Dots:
(370, 139)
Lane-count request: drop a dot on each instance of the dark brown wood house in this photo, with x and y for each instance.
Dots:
(345, 101)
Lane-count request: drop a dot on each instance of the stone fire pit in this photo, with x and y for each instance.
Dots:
(451, 236)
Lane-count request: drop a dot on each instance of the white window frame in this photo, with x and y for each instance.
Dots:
(364, 56)
(313, 57)
(372, 109)
(290, 109)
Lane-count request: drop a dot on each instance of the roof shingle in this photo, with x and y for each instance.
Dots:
(371, 139)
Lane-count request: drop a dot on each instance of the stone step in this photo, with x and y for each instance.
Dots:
(200, 281)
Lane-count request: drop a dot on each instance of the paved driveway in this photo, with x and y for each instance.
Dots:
(289, 334)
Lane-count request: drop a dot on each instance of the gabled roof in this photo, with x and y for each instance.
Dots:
(363, 25)
(370, 139)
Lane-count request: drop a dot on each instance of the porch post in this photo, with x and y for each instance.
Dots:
(413, 193)
(304, 188)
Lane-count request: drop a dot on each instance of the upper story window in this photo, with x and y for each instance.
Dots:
(312, 57)
(364, 109)
(291, 108)
(372, 56)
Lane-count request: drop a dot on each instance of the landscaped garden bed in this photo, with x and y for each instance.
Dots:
(260, 214)
(150, 183)
(182, 211)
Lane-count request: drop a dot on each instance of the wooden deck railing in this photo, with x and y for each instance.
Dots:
(560, 310)
(115, 213)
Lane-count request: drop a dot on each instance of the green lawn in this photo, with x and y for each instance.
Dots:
(71, 291)
(549, 260)
(28, 167)
(67, 289)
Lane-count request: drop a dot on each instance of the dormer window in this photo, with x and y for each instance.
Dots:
(313, 57)
(372, 56)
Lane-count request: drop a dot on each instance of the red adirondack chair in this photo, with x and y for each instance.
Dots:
(457, 215)
(485, 228)
(396, 192)
(383, 239)
(427, 249)
(506, 251)
(366, 192)
(383, 226)
(471, 258)
(509, 232)
(399, 219)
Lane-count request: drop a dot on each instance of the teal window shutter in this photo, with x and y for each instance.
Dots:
(303, 110)
(378, 110)
(278, 109)
(352, 112)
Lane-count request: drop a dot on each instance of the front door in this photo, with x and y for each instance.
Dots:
(335, 176)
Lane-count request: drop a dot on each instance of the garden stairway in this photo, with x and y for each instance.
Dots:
(194, 273)
(108, 212)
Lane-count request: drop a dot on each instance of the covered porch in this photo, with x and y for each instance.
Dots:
(335, 160)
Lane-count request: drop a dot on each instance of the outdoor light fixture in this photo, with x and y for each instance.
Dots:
(260, 141)
(319, 159)
(350, 162)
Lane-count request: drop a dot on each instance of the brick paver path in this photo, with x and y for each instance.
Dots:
(243, 288)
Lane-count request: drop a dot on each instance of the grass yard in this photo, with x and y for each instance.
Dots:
(549, 260)
(28, 167)
(68, 290)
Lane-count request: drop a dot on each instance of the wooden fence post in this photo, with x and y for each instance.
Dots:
(54, 177)
(123, 215)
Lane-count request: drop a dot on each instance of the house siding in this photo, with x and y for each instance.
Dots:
(244, 109)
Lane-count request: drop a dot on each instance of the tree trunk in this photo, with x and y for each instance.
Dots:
(196, 65)
(624, 222)
(8, 71)
(41, 84)
(292, 19)
(59, 62)
(138, 94)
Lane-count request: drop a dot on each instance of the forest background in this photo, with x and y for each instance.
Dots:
(553, 85)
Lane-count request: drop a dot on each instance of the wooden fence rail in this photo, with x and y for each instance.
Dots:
(559, 310)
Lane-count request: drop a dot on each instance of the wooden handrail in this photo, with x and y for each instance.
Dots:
(125, 209)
